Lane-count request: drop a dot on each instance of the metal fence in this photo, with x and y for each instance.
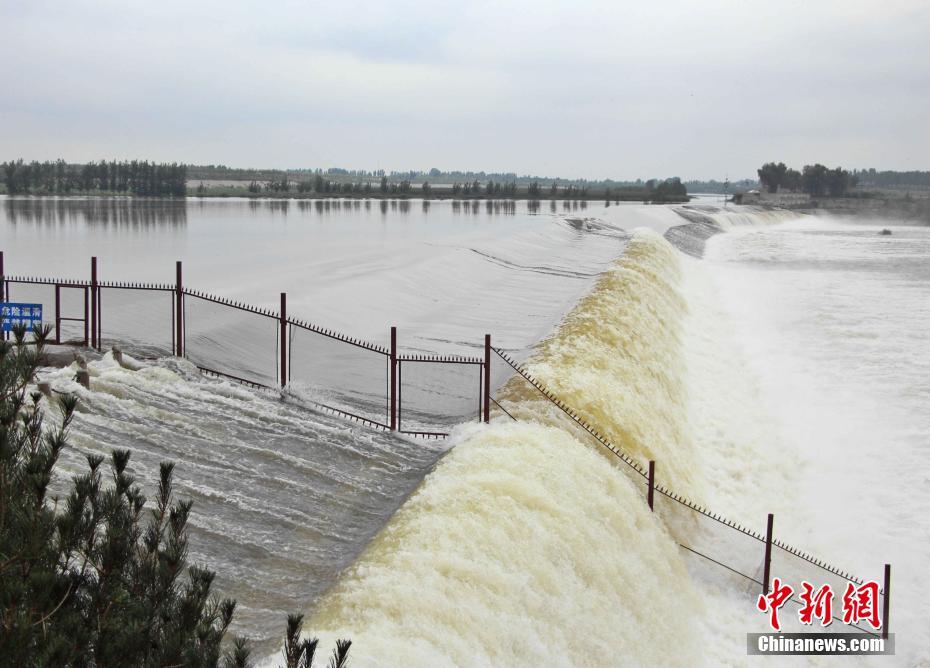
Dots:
(752, 558)
(421, 395)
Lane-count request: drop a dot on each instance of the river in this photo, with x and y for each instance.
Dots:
(779, 366)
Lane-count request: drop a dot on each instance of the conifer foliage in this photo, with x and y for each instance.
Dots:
(95, 578)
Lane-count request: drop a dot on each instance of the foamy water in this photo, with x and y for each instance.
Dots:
(833, 322)
(528, 542)
(663, 356)
(283, 498)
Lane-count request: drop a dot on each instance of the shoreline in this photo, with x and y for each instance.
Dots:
(340, 196)
(881, 206)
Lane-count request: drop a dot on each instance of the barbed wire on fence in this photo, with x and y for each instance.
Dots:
(339, 337)
(448, 359)
(242, 306)
(626, 459)
(47, 281)
(135, 286)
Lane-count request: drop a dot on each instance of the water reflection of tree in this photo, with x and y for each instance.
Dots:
(269, 205)
(97, 211)
(491, 207)
(138, 212)
(306, 205)
(394, 205)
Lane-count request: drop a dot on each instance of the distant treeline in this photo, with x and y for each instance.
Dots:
(888, 179)
(133, 177)
(144, 178)
(816, 180)
(667, 190)
(434, 176)
(720, 187)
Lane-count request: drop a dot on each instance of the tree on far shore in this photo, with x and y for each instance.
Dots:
(147, 179)
(816, 180)
(772, 175)
(669, 190)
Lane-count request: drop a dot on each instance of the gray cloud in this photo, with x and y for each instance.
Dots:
(574, 89)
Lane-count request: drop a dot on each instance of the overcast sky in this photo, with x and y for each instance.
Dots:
(574, 89)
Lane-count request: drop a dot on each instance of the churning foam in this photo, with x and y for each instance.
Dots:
(617, 358)
(524, 547)
(527, 545)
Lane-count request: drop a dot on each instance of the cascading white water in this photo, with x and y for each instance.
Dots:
(675, 359)
(831, 319)
(526, 544)
(283, 498)
(525, 547)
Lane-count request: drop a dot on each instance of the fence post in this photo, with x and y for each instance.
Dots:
(886, 603)
(766, 571)
(93, 302)
(57, 314)
(283, 339)
(393, 378)
(86, 316)
(178, 310)
(487, 378)
(652, 483)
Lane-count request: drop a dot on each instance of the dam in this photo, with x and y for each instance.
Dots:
(408, 546)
